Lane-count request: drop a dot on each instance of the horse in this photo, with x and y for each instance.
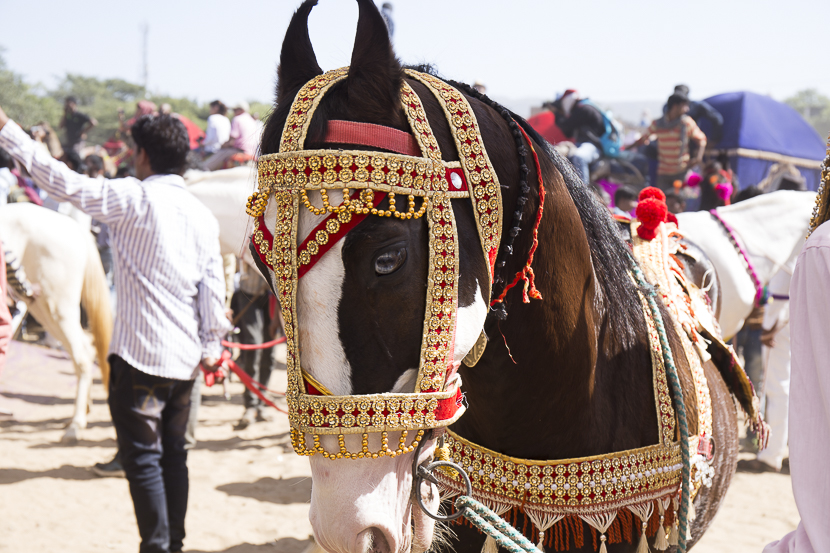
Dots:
(565, 376)
(63, 259)
(770, 228)
(224, 193)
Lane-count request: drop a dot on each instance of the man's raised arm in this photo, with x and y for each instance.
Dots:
(100, 199)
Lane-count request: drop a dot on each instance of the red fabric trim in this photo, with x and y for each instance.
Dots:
(447, 408)
(368, 134)
(526, 273)
(333, 238)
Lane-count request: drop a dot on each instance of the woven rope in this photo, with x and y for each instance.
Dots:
(489, 522)
(677, 395)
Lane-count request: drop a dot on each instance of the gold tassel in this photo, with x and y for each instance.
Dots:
(541, 545)
(602, 548)
(643, 547)
(490, 546)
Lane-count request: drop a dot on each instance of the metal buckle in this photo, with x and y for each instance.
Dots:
(421, 472)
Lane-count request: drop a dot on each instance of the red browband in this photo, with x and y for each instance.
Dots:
(376, 136)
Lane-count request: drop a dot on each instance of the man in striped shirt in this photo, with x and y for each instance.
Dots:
(170, 308)
(673, 133)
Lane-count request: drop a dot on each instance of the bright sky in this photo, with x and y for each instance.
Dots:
(611, 50)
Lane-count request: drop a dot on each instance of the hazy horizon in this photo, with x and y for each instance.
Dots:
(610, 51)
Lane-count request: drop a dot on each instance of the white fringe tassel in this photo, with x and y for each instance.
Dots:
(674, 535)
(490, 546)
(542, 521)
(601, 522)
(662, 543)
(644, 512)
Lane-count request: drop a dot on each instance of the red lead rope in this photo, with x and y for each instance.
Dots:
(211, 377)
(526, 273)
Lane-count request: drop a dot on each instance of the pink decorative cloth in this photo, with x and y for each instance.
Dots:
(810, 398)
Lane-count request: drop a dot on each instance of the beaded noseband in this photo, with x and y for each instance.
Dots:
(365, 178)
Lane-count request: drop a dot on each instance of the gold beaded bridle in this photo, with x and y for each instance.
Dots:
(366, 178)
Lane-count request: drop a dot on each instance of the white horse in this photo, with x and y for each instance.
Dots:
(225, 194)
(771, 229)
(62, 258)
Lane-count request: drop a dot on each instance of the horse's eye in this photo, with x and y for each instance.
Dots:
(389, 262)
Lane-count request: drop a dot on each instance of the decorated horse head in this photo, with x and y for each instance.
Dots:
(400, 219)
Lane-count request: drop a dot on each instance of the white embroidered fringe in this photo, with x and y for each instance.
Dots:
(601, 522)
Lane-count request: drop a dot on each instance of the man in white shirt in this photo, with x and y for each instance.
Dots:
(809, 424)
(170, 312)
(218, 128)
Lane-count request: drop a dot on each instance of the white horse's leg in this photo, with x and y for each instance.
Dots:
(63, 322)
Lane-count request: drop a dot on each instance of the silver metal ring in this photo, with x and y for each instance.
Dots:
(425, 473)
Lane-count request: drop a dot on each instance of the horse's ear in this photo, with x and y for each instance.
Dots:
(298, 64)
(375, 75)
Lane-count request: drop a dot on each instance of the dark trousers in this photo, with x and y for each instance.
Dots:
(253, 327)
(150, 418)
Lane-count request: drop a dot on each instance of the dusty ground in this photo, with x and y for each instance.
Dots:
(248, 491)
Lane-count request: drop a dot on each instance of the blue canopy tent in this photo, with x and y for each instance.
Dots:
(759, 132)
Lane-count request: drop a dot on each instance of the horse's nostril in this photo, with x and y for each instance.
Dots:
(377, 541)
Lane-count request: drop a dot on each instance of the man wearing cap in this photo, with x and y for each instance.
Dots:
(244, 137)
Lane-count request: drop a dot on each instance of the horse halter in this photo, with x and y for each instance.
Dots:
(365, 179)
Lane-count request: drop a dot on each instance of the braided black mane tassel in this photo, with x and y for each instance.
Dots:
(499, 310)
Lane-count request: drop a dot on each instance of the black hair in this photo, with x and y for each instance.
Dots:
(73, 161)
(676, 197)
(624, 192)
(682, 89)
(165, 140)
(6, 159)
(789, 183)
(222, 108)
(72, 99)
(124, 171)
(748, 193)
(676, 99)
(95, 162)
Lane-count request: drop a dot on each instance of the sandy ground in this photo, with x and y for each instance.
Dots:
(249, 492)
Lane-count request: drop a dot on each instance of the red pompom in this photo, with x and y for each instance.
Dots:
(652, 192)
(646, 233)
(672, 218)
(650, 212)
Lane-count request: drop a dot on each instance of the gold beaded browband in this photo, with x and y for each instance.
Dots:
(366, 178)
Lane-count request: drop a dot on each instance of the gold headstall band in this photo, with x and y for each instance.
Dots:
(429, 183)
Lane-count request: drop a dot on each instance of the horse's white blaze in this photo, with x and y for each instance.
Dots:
(469, 323)
(369, 498)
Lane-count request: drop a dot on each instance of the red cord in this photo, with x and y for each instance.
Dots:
(526, 273)
(247, 347)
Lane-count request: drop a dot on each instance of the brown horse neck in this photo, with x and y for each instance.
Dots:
(552, 383)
